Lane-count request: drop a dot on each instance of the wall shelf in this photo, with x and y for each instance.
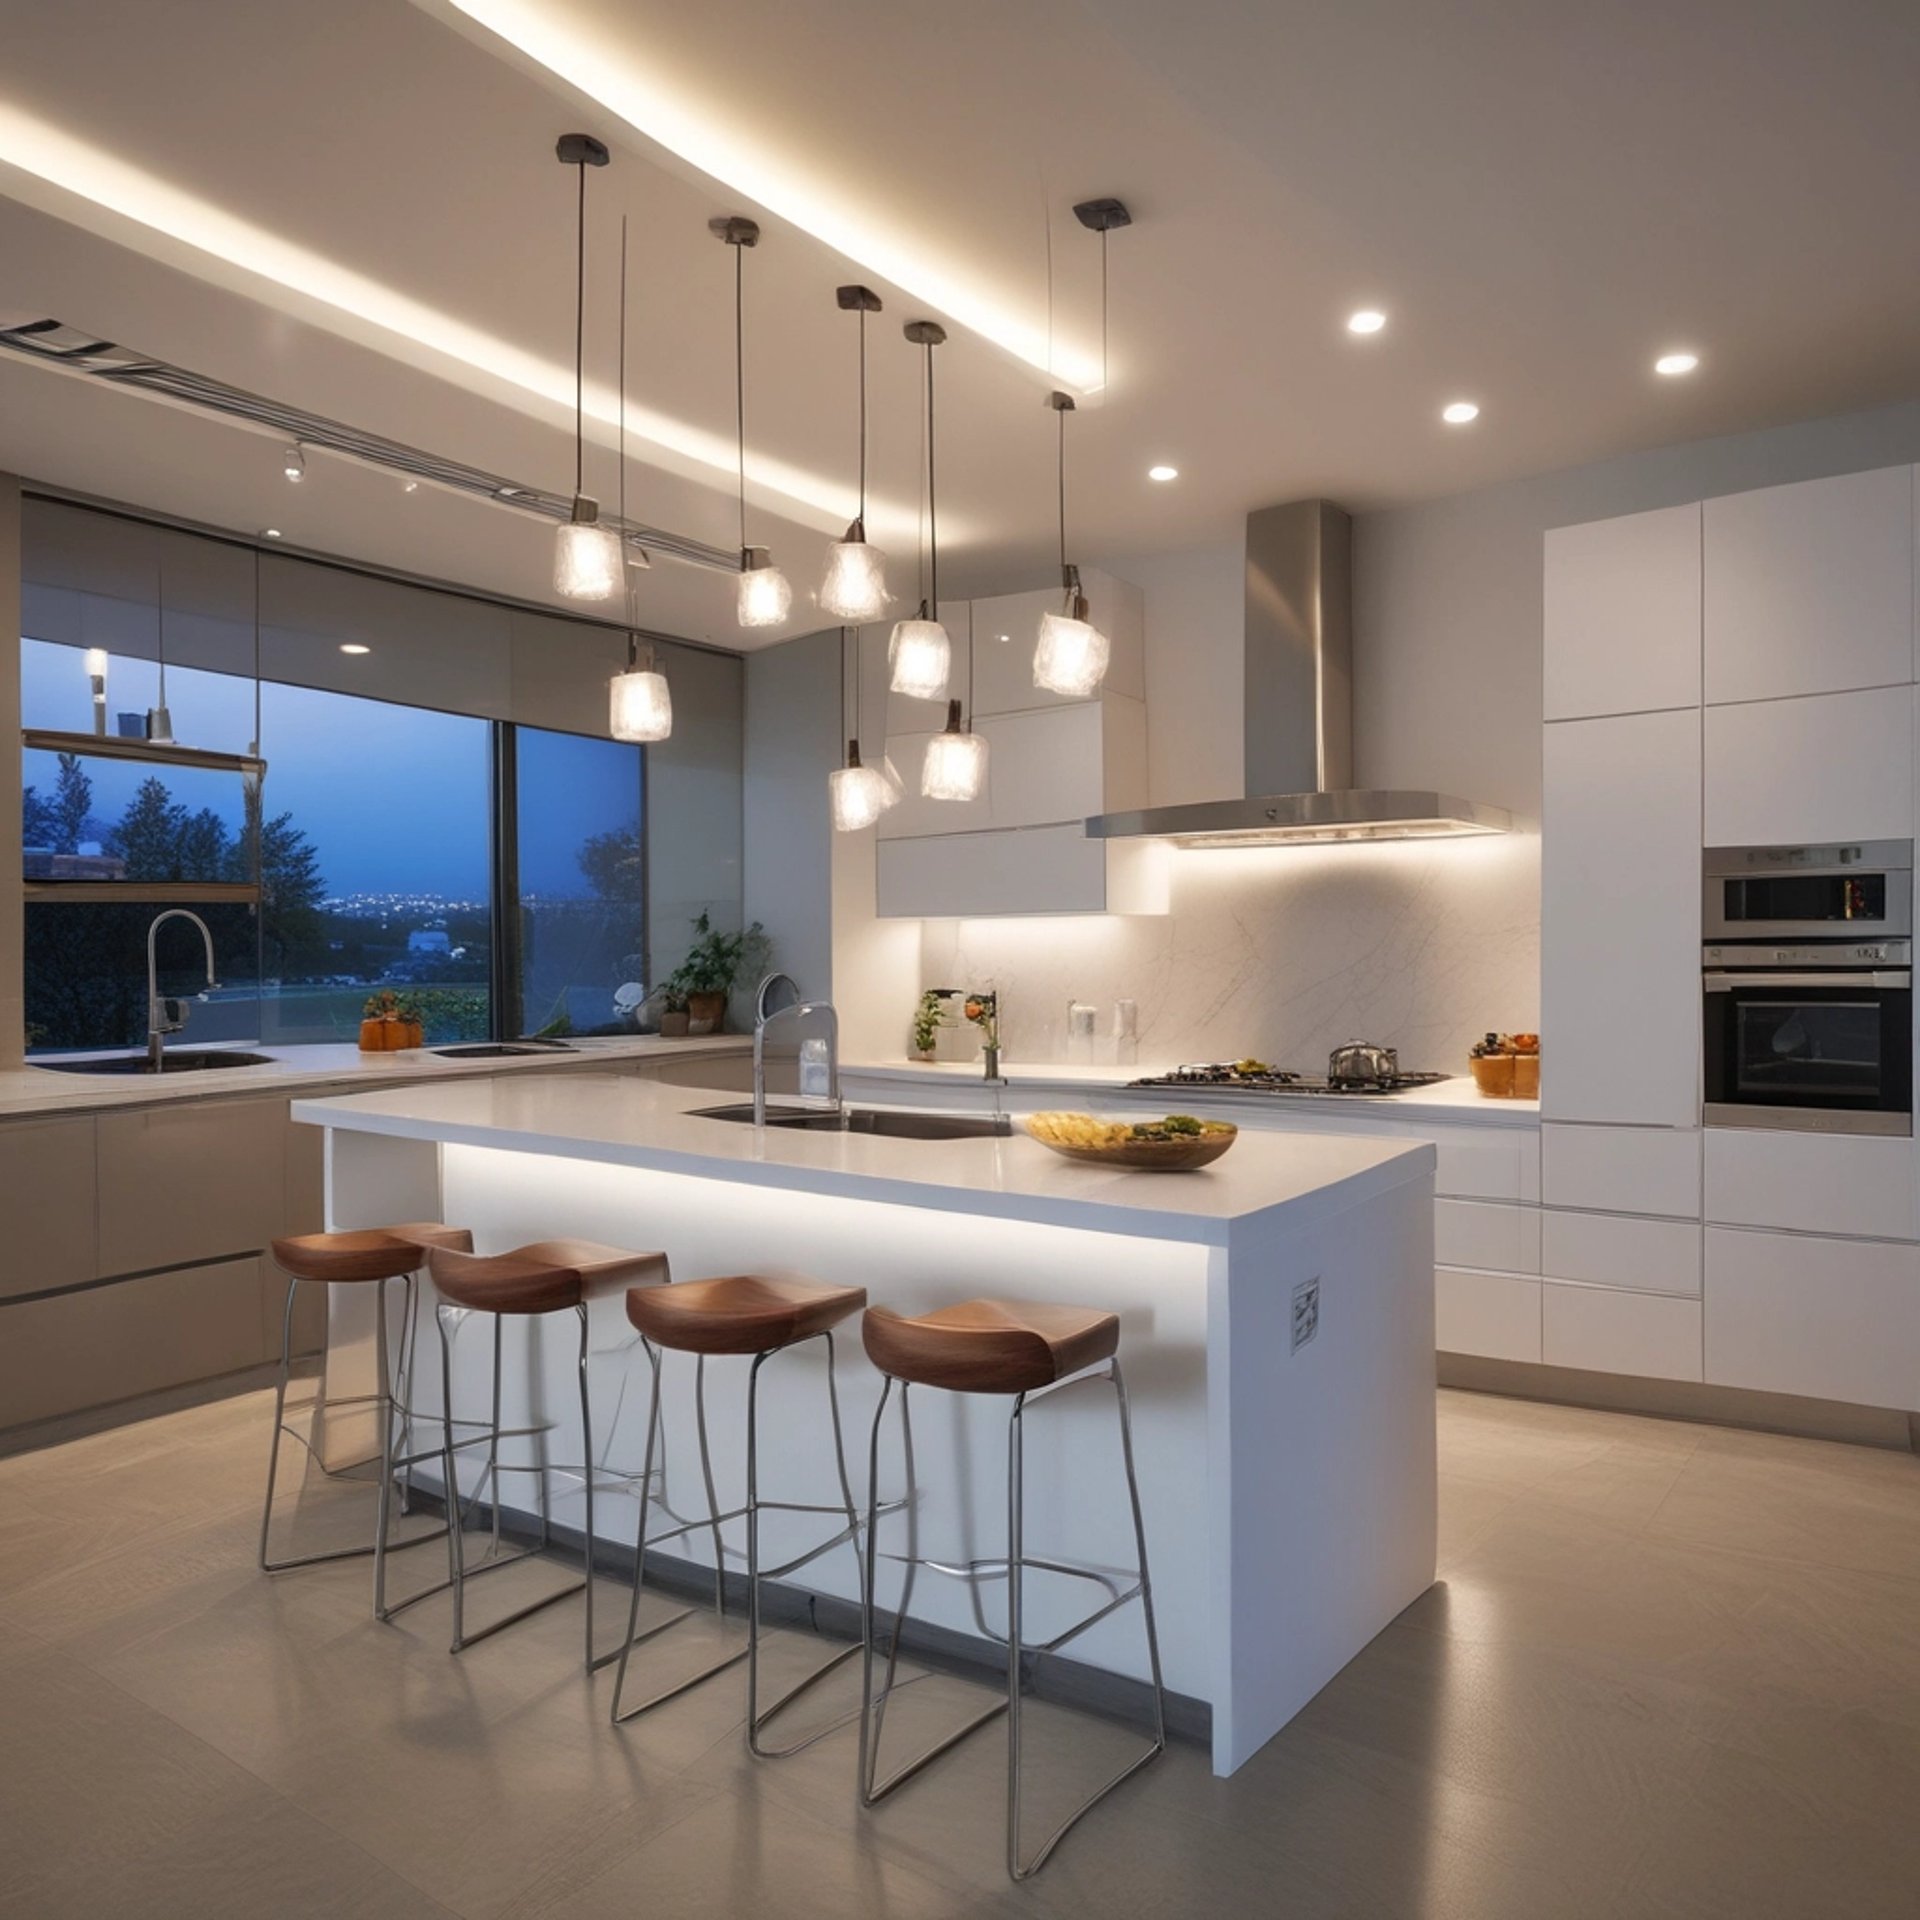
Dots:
(145, 892)
(113, 746)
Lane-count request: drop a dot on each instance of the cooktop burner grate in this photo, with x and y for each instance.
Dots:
(1227, 1078)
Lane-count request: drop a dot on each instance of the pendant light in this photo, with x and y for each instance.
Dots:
(1071, 655)
(919, 653)
(586, 555)
(956, 764)
(856, 794)
(639, 702)
(765, 596)
(855, 586)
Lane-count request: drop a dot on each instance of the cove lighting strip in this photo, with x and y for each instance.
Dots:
(51, 158)
(651, 107)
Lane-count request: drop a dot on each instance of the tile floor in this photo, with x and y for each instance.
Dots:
(1669, 1670)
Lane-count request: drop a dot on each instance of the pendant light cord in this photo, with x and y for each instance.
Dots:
(740, 382)
(1061, 416)
(863, 423)
(933, 515)
(580, 339)
(1103, 310)
(633, 610)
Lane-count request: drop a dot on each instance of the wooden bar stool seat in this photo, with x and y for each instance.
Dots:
(990, 1346)
(740, 1313)
(545, 1276)
(358, 1255)
(542, 1277)
(752, 1316)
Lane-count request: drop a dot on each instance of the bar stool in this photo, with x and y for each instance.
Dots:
(546, 1276)
(1025, 1350)
(746, 1315)
(376, 1255)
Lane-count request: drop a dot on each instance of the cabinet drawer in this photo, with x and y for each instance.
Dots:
(1833, 1319)
(1617, 1250)
(46, 1205)
(1645, 1170)
(1477, 1233)
(1496, 1315)
(190, 1181)
(1836, 1183)
(1609, 1330)
(1487, 1163)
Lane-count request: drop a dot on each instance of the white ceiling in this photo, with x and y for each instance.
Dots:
(1541, 197)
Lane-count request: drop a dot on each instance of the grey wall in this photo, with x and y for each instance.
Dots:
(1447, 596)
(793, 744)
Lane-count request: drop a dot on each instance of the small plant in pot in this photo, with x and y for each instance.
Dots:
(674, 1018)
(715, 962)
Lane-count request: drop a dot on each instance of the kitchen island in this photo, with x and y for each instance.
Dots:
(1277, 1332)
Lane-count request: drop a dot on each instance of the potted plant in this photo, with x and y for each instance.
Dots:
(674, 1018)
(702, 981)
(389, 1023)
(926, 1024)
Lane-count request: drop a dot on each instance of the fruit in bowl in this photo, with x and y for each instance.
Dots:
(1175, 1143)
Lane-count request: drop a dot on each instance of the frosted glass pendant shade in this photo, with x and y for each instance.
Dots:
(765, 595)
(956, 764)
(586, 558)
(640, 706)
(1071, 657)
(920, 655)
(855, 587)
(858, 797)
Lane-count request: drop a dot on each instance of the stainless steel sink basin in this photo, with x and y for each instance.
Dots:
(502, 1049)
(178, 1060)
(898, 1126)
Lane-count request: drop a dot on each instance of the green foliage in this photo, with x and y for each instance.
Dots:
(72, 804)
(614, 865)
(451, 1013)
(38, 822)
(716, 960)
(926, 1022)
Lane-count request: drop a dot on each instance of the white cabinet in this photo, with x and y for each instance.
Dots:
(1619, 1250)
(1838, 1183)
(1019, 870)
(1646, 1170)
(1472, 1233)
(1495, 1315)
(1809, 588)
(1607, 1330)
(1620, 920)
(1623, 615)
(1833, 1319)
(1006, 626)
(1830, 767)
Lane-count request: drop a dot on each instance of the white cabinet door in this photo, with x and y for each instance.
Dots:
(1620, 920)
(1623, 615)
(915, 815)
(1830, 767)
(1619, 1250)
(1046, 766)
(1850, 1184)
(1008, 625)
(1475, 1233)
(1809, 588)
(1496, 1315)
(1605, 1330)
(1647, 1170)
(1834, 1319)
(1021, 870)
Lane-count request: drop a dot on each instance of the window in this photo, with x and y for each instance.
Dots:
(581, 857)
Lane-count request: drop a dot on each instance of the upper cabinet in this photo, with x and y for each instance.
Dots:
(1793, 773)
(1006, 628)
(1623, 615)
(1809, 588)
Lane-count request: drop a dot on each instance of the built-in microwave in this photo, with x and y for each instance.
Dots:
(1857, 890)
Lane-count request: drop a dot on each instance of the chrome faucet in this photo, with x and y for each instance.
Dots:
(169, 1016)
(804, 1013)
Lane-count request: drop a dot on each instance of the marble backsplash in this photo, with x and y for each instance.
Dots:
(1279, 952)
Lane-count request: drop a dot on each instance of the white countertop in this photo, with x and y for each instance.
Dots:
(31, 1089)
(1454, 1099)
(625, 1121)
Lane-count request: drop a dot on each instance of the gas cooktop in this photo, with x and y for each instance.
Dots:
(1229, 1078)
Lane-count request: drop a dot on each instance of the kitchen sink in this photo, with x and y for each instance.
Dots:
(178, 1060)
(503, 1049)
(898, 1126)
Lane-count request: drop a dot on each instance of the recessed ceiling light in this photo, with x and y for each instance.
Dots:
(353, 646)
(294, 463)
(1676, 363)
(1163, 473)
(1458, 412)
(410, 486)
(1367, 320)
(269, 533)
(1003, 638)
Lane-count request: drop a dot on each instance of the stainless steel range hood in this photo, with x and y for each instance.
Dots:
(1299, 711)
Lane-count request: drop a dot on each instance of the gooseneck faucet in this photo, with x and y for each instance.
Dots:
(803, 1013)
(169, 1016)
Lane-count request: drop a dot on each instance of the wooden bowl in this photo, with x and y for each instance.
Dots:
(1152, 1156)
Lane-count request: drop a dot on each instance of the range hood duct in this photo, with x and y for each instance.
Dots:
(1298, 711)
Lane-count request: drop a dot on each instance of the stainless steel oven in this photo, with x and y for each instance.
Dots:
(1858, 890)
(1814, 1036)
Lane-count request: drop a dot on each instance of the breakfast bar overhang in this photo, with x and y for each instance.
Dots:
(1277, 1328)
